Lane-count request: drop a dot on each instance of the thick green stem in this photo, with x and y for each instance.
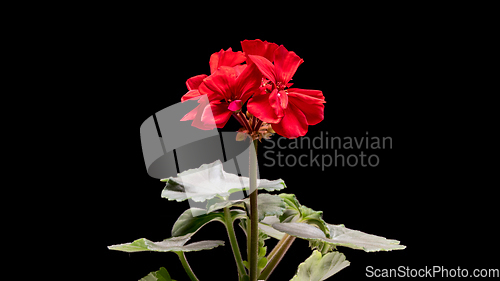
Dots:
(248, 239)
(186, 266)
(276, 258)
(254, 218)
(228, 222)
(276, 248)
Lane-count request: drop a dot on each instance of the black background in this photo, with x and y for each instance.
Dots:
(397, 77)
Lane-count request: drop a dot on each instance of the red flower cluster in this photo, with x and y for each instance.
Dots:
(263, 81)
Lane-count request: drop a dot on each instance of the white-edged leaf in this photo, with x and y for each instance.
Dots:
(194, 218)
(268, 205)
(209, 181)
(173, 244)
(266, 226)
(218, 203)
(300, 230)
(343, 236)
(295, 212)
(320, 267)
(340, 236)
(160, 275)
(189, 223)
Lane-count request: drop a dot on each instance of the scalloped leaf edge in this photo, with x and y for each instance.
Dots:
(173, 244)
(318, 267)
(340, 236)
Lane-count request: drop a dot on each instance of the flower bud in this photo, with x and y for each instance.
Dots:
(235, 105)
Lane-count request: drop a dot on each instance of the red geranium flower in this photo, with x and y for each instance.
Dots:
(228, 89)
(259, 48)
(292, 110)
(266, 76)
(192, 84)
(219, 59)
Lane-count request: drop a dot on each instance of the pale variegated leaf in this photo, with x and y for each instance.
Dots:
(173, 244)
(320, 267)
(340, 236)
(209, 181)
(159, 275)
(295, 212)
(266, 226)
(194, 219)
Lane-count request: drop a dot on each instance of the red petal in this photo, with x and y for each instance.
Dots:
(218, 85)
(293, 124)
(283, 97)
(310, 102)
(265, 67)
(285, 64)
(197, 114)
(194, 82)
(259, 48)
(275, 102)
(247, 83)
(316, 94)
(217, 112)
(259, 106)
(190, 95)
(225, 58)
(239, 69)
(190, 115)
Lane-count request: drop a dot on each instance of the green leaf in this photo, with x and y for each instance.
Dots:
(160, 275)
(292, 211)
(173, 244)
(218, 203)
(343, 236)
(340, 236)
(266, 226)
(295, 212)
(321, 246)
(187, 223)
(262, 261)
(262, 251)
(320, 267)
(303, 222)
(268, 205)
(209, 181)
(300, 230)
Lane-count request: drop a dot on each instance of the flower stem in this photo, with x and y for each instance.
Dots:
(257, 125)
(186, 266)
(275, 259)
(276, 248)
(240, 120)
(254, 222)
(228, 222)
(245, 122)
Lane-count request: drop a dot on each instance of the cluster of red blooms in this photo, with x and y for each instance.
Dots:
(260, 75)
